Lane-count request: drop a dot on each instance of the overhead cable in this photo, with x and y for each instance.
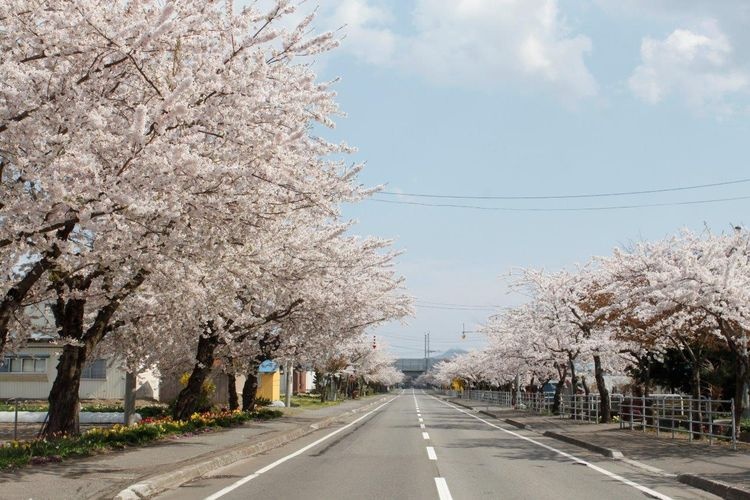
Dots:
(566, 196)
(560, 209)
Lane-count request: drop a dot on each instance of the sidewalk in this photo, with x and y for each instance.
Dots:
(709, 467)
(168, 462)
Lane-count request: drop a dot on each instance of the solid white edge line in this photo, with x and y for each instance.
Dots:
(280, 461)
(607, 473)
(431, 453)
(425, 435)
(443, 492)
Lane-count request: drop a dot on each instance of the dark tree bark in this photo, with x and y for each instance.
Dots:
(63, 398)
(737, 341)
(573, 376)
(188, 400)
(234, 402)
(606, 413)
(742, 376)
(562, 372)
(250, 389)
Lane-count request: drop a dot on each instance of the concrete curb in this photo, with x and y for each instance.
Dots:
(460, 404)
(719, 488)
(156, 484)
(607, 452)
(518, 424)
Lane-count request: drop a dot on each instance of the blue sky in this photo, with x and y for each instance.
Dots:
(533, 98)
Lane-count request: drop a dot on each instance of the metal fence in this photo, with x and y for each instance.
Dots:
(663, 413)
(676, 414)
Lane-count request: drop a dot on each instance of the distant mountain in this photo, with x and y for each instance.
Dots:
(450, 353)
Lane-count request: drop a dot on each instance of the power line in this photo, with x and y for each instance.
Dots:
(560, 209)
(448, 304)
(567, 196)
(448, 308)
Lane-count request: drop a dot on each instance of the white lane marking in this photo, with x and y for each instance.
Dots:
(607, 473)
(431, 453)
(419, 414)
(421, 426)
(421, 420)
(443, 492)
(425, 435)
(280, 461)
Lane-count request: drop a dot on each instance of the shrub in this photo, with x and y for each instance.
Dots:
(153, 411)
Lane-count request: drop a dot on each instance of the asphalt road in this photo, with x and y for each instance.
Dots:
(416, 446)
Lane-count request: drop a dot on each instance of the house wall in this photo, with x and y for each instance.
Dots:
(38, 385)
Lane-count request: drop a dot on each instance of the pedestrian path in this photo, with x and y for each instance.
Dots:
(717, 462)
(105, 475)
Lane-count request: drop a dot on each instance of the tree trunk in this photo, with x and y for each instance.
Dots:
(606, 414)
(189, 398)
(63, 397)
(573, 377)
(69, 314)
(695, 391)
(742, 384)
(249, 389)
(234, 402)
(585, 385)
(563, 372)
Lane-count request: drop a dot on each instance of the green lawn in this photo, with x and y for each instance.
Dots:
(310, 402)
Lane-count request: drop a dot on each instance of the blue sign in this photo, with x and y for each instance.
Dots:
(267, 366)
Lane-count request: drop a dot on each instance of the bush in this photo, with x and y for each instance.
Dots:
(153, 411)
(262, 402)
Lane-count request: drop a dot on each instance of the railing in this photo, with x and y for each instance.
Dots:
(676, 414)
(671, 413)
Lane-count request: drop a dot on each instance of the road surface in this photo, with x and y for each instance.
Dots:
(416, 446)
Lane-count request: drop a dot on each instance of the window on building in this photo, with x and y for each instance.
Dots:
(96, 369)
(23, 364)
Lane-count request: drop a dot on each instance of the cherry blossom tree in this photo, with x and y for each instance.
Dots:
(695, 285)
(191, 125)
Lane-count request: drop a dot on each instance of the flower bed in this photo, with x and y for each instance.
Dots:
(36, 451)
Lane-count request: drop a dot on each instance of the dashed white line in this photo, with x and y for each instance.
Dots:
(431, 453)
(421, 426)
(421, 420)
(443, 492)
(425, 435)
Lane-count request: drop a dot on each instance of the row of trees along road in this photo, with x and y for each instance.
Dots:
(684, 297)
(163, 190)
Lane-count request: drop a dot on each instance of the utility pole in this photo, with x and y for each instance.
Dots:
(129, 402)
(429, 353)
(289, 381)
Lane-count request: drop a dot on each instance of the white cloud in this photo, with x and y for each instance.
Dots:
(475, 43)
(695, 65)
(367, 36)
